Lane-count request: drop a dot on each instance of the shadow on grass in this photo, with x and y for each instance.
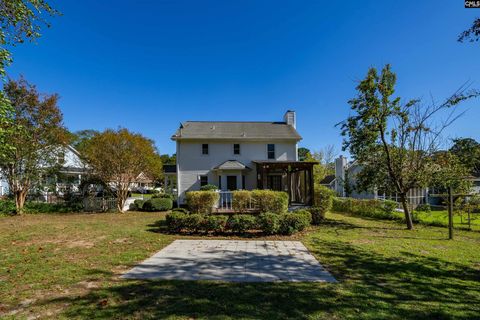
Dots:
(371, 286)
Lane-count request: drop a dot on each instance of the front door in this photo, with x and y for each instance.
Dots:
(231, 182)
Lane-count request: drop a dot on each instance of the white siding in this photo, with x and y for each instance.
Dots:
(191, 163)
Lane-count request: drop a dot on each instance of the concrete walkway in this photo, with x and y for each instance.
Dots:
(234, 261)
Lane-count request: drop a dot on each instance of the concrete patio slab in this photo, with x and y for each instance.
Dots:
(232, 261)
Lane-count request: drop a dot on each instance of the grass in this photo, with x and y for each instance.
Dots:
(142, 195)
(68, 267)
(440, 218)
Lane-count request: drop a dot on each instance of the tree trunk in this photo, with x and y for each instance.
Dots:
(121, 199)
(20, 197)
(406, 211)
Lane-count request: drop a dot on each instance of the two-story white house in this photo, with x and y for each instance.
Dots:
(242, 155)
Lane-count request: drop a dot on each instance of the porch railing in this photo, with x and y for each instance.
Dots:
(225, 202)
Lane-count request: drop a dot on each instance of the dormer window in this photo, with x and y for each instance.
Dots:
(236, 148)
(205, 148)
(270, 151)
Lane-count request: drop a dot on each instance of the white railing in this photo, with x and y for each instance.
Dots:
(225, 201)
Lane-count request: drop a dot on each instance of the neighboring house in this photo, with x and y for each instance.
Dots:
(328, 181)
(72, 171)
(142, 182)
(476, 182)
(343, 183)
(242, 155)
(69, 177)
(3, 187)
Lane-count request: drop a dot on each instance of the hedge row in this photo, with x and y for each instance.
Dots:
(8, 207)
(201, 202)
(153, 204)
(262, 200)
(269, 223)
(367, 208)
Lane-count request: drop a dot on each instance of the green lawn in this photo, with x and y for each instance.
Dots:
(460, 219)
(142, 195)
(69, 266)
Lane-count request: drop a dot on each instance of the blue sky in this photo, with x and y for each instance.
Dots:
(148, 65)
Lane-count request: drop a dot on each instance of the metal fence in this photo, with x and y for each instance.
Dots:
(97, 204)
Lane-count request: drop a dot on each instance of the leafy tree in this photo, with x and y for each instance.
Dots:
(167, 159)
(6, 125)
(472, 34)
(468, 152)
(450, 172)
(303, 153)
(119, 156)
(394, 142)
(36, 141)
(325, 158)
(20, 20)
(79, 139)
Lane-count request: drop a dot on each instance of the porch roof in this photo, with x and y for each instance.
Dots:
(285, 163)
(231, 165)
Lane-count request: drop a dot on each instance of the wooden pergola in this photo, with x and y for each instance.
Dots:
(296, 178)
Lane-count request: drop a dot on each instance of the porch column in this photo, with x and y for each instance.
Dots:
(312, 185)
(289, 181)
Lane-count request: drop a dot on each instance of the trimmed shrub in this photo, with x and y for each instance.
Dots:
(318, 215)
(181, 210)
(270, 201)
(158, 204)
(214, 223)
(137, 205)
(193, 222)
(162, 195)
(43, 207)
(323, 198)
(424, 207)
(241, 223)
(293, 222)
(7, 207)
(175, 221)
(241, 201)
(306, 213)
(201, 201)
(208, 187)
(268, 222)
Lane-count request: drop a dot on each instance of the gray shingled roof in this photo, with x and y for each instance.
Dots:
(236, 130)
(231, 165)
